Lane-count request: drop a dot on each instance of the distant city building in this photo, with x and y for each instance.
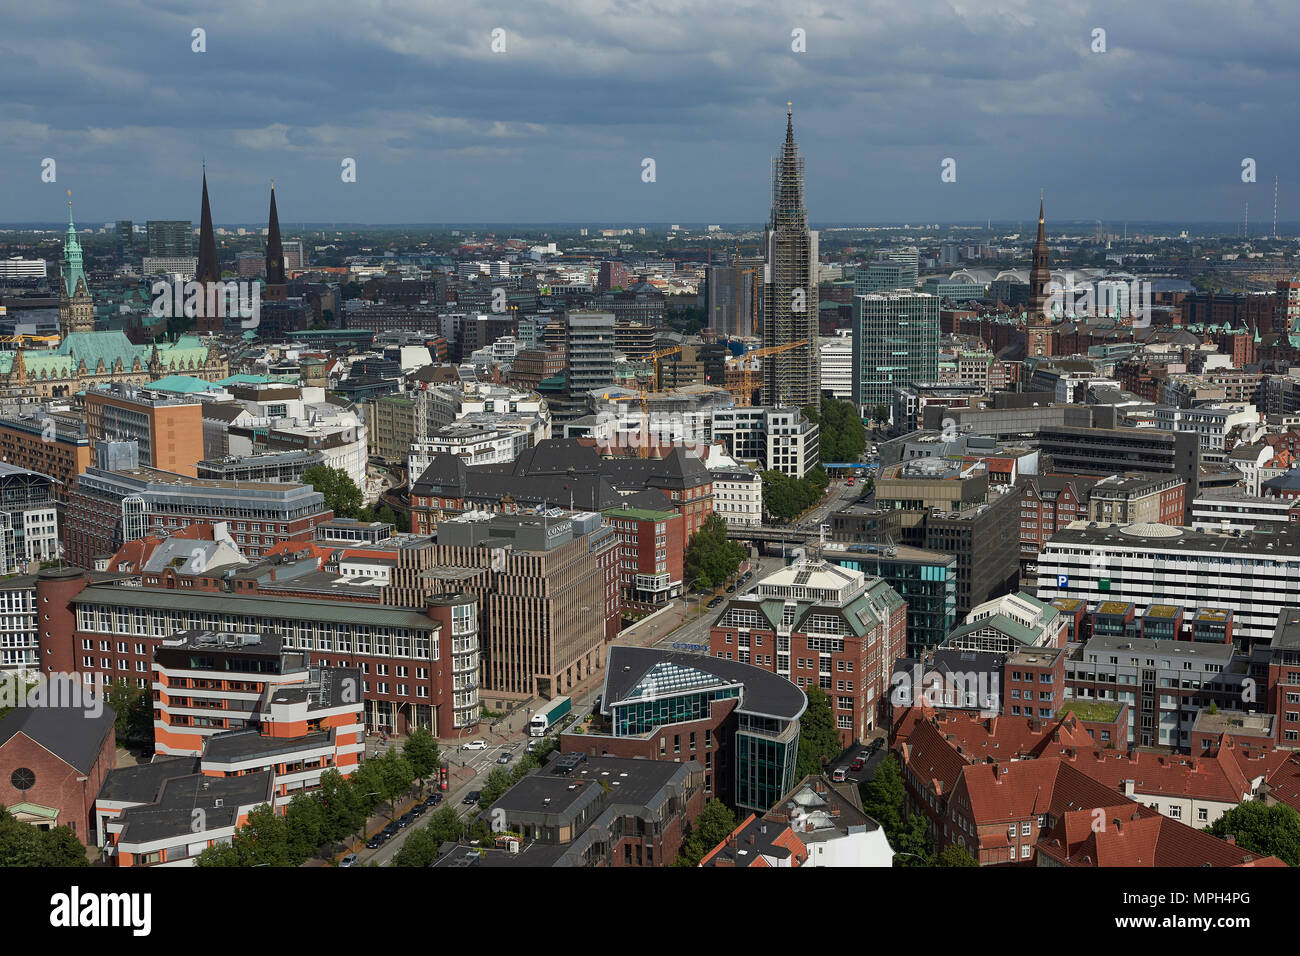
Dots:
(170, 238)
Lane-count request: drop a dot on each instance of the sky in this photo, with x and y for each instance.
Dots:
(554, 125)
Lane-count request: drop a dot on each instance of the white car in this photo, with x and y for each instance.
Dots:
(476, 745)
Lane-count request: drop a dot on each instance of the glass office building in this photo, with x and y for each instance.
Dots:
(664, 705)
(766, 751)
(895, 343)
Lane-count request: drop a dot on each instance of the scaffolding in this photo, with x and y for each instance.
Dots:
(790, 374)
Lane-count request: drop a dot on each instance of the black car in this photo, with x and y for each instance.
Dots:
(376, 841)
(405, 820)
(715, 602)
(390, 831)
(416, 810)
(432, 801)
(730, 588)
(471, 798)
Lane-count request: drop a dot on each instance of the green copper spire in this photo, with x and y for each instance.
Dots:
(73, 273)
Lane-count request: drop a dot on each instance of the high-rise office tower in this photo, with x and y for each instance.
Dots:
(125, 236)
(589, 352)
(170, 238)
(76, 307)
(790, 377)
(895, 343)
(733, 295)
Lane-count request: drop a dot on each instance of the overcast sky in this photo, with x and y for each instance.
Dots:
(555, 128)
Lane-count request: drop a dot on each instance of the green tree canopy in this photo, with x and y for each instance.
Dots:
(841, 437)
(715, 823)
(421, 751)
(819, 741)
(342, 496)
(711, 557)
(1259, 828)
(954, 855)
(22, 844)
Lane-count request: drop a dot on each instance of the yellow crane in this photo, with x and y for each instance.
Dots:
(658, 354)
(742, 382)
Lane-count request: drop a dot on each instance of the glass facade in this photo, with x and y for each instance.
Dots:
(930, 591)
(634, 720)
(765, 757)
(895, 343)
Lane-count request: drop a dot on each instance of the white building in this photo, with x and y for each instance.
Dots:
(1211, 424)
(777, 439)
(1254, 575)
(737, 491)
(837, 365)
(20, 268)
(28, 518)
(1232, 509)
(475, 444)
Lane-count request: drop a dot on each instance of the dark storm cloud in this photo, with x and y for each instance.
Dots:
(555, 128)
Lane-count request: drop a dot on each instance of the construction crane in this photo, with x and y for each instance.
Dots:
(654, 358)
(742, 382)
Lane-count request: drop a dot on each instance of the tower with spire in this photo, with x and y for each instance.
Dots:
(209, 269)
(1038, 323)
(275, 281)
(76, 307)
(790, 377)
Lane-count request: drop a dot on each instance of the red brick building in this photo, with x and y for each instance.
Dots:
(821, 625)
(1048, 502)
(652, 556)
(53, 760)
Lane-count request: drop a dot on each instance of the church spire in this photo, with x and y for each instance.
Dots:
(1040, 270)
(274, 248)
(208, 268)
(275, 282)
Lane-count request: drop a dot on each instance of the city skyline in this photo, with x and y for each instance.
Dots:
(1113, 144)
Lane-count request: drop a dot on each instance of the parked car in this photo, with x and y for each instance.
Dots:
(376, 841)
(349, 860)
(432, 801)
(471, 798)
(417, 809)
(405, 820)
(390, 831)
(730, 588)
(715, 602)
(857, 764)
(476, 745)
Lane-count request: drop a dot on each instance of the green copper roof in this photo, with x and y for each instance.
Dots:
(109, 349)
